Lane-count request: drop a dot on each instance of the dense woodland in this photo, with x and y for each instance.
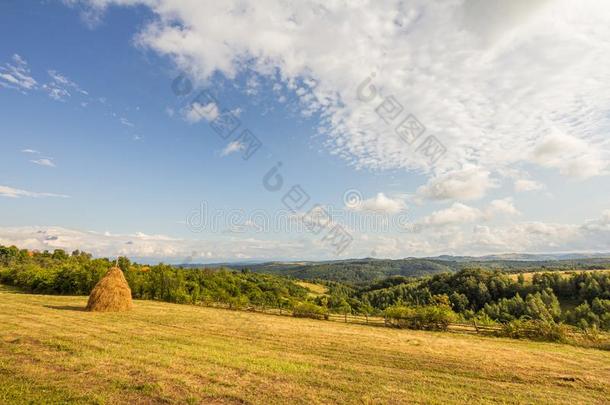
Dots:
(482, 295)
(362, 271)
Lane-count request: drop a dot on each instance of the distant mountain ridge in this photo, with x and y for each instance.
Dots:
(485, 258)
(370, 269)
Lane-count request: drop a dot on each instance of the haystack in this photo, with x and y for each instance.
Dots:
(111, 294)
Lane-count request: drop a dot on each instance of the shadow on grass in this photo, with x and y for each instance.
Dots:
(66, 307)
(11, 290)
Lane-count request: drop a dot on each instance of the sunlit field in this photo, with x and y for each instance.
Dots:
(53, 352)
(527, 276)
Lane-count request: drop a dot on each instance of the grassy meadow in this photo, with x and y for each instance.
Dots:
(53, 352)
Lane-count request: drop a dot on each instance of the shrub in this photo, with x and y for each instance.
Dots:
(309, 310)
(535, 330)
(430, 317)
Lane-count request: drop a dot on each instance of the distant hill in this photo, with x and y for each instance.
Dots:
(526, 257)
(356, 271)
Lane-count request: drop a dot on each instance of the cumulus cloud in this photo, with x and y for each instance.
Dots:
(6, 191)
(488, 79)
(140, 245)
(592, 236)
(380, 203)
(521, 185)
(196, 112)
(570, 155)
(466, 184)
(459, 214)
(505, 206)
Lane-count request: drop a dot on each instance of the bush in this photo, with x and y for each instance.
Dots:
(309, 310)
(430, 317)
(535, 330)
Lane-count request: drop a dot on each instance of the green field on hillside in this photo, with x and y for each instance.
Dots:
(53, 352)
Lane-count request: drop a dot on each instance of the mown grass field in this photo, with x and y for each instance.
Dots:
(527, 276)
(53, 352)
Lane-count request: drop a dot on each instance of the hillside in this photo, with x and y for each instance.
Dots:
(53, 352)
(366, 270)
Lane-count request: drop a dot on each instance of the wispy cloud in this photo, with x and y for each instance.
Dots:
(17, 75)
(232, 147)
(60, 86)
(32, 151)
(6, 191)
(126, 122)
(48, 162)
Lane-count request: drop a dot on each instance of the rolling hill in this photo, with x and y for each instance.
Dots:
(356, 271)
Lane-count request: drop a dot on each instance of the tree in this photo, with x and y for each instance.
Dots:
(459, 302)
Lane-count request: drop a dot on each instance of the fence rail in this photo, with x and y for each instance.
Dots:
(378, 321)
(357, 319)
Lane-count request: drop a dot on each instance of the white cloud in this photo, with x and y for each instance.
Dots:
(11, 192)
(573, 157)
(521, 185)
(60, 86)
(466, 184)
(487, 78)
(232, 147)
(459, 214)
(17, 75)
(196, 112)
(126, 122)
(501, 207)
(32, 151)
(534, 237)
(380, 203)
(44, 162)
(145, 246)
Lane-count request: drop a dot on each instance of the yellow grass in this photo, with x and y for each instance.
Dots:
(528, 275)
(314, 289)
(53, 352)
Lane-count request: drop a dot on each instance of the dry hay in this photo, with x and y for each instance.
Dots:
(111, 294)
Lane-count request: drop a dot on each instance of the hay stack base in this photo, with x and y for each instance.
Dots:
(111, 294)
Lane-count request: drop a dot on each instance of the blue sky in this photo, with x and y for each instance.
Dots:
(100, 154)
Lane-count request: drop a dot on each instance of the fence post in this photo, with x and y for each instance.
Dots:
(474, 321)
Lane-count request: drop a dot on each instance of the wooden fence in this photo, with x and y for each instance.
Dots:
(378, 321)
